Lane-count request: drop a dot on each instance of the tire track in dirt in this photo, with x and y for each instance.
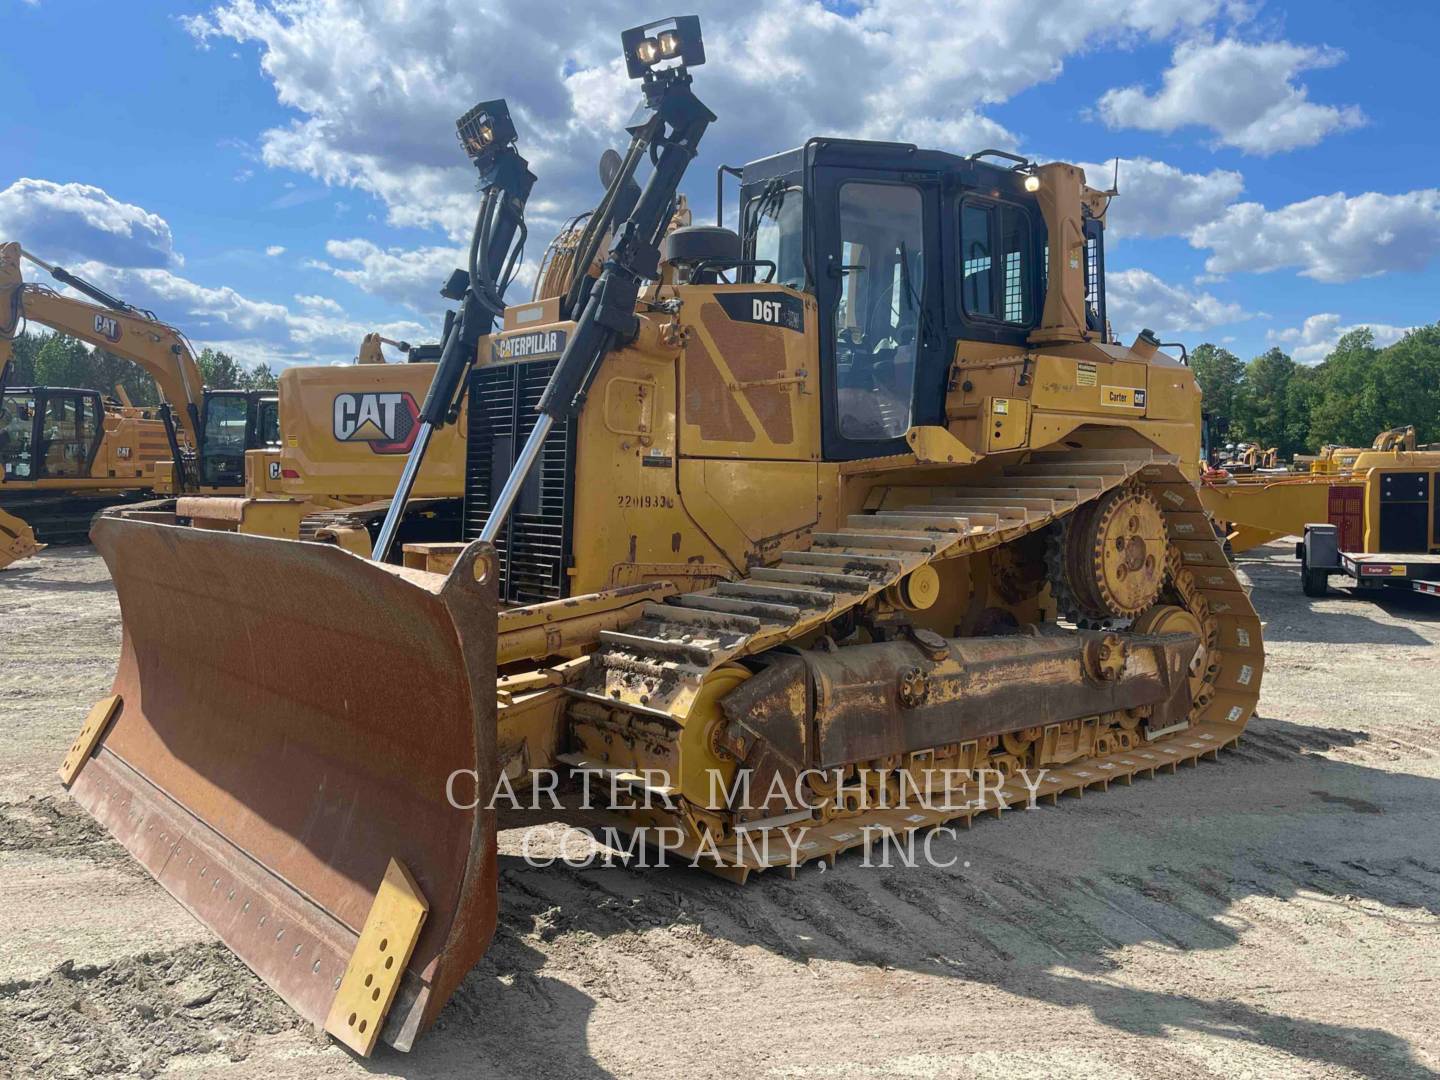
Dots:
(137, 1014)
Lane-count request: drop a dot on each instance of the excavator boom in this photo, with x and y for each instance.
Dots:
(113, 325)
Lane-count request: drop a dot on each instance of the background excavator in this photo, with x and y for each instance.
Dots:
(195, 446)
(862, 498)
(69, 453)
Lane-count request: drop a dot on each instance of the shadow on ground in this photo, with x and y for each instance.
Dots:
(1345, 616)
(37, 572)
(1016, 921)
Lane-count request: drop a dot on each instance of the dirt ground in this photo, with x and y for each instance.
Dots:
(1277, 914)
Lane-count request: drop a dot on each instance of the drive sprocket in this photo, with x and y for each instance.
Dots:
(1107, 560)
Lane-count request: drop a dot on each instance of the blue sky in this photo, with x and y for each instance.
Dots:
(1279, 182)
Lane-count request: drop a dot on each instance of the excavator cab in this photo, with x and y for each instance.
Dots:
(232, 422)
(49, 433)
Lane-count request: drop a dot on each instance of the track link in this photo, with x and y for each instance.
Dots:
(660, 662)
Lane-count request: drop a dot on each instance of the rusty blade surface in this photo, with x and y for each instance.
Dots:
(291, 715)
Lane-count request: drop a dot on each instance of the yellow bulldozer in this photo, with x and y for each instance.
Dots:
(764, 527)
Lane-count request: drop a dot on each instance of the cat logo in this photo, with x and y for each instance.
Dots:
(107, 327)
(389, 422)
(1123, 397)
(531, 346)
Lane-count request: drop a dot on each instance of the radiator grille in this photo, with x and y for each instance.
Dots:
(534, 546)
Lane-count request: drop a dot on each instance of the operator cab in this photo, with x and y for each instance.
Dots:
(907, 252)
(234, 421)
(49, 432)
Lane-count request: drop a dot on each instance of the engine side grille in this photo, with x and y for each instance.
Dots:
(535, 544)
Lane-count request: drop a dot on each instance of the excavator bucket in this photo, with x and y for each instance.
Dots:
(293, 741)
(17, 540)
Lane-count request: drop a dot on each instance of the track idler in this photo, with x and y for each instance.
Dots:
(861, 703)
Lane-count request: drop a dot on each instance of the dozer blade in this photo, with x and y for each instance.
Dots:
(17, 540)
(289, 718)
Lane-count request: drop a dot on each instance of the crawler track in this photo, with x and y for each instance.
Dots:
(657, 666)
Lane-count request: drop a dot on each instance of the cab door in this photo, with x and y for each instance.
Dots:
(19, 424)
(68, 433)
(881, 331)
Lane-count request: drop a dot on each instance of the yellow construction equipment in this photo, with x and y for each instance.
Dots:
(1334, 460)
(218, 451)
(1341, 488)
(348, 432)
(69, 453)
(1249, 458)
(860, 502)
(66, 453)
(17, 540)
(1374, 514)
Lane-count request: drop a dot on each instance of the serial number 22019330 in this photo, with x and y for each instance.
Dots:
(645, 502)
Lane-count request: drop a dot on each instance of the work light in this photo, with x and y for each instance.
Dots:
(484, 130)
(674, 39)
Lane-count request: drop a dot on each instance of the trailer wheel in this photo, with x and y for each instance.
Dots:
(1314, 582)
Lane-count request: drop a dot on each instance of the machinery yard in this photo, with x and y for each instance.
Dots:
(1278, 913)
(849, 625)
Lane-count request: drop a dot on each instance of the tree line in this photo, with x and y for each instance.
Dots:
(1347, 399)
(60, 360)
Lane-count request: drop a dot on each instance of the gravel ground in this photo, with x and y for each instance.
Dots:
(1275, 914)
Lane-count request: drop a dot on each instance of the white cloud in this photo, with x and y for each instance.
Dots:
(251, 330)
(129, 252)
(377, 90)
(1157, 199)
(1137, 299)
(1317, 338)
(1245, 93)
(318, 303)
(60, 222)
(1330, 238)
(275, 249)
(412, 277)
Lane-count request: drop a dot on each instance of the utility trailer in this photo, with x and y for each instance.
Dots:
(1320, 559)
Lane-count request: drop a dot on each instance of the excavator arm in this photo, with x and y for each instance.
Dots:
(110, 324)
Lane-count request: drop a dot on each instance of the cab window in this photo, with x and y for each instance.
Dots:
(996, 263)
(267, 424)
(224, 442)
(877, 319)
(774, 229)
(17, 427)
(65, 449)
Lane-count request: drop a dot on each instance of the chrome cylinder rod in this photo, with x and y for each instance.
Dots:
(391, 525)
